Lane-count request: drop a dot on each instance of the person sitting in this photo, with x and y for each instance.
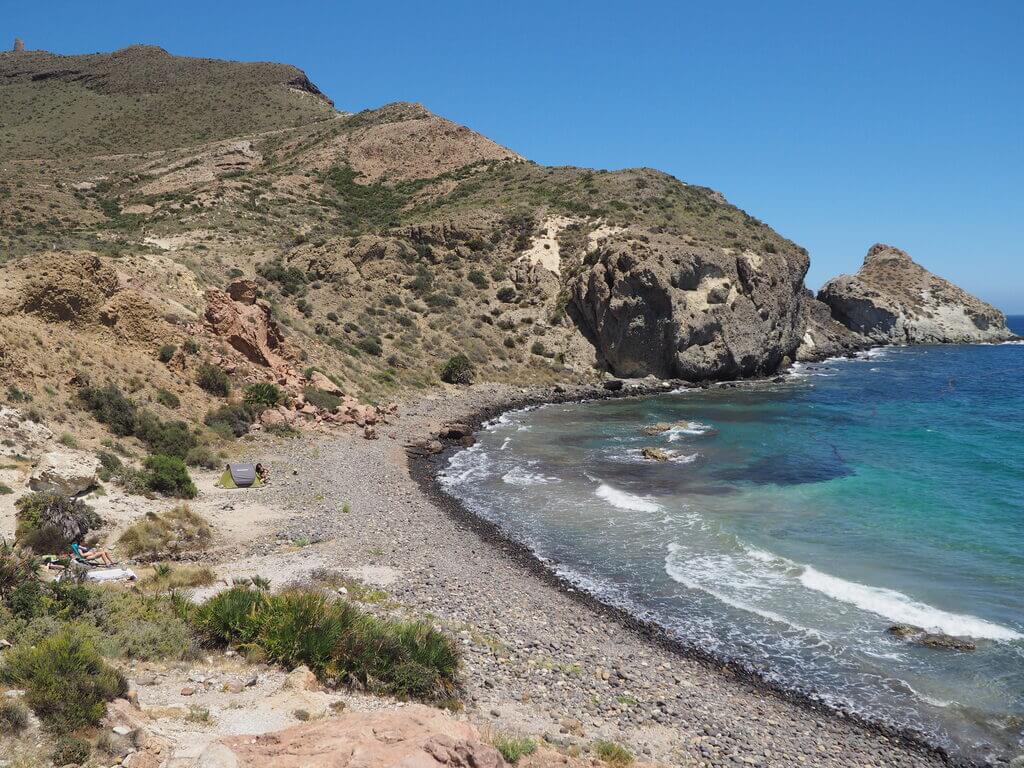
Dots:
(262, 473)
(92, 556)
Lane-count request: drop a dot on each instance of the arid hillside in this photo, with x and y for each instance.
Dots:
(381, 243)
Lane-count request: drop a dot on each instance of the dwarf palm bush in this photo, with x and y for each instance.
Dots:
(335, 639)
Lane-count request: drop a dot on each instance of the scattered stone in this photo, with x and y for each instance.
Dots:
(614, 385)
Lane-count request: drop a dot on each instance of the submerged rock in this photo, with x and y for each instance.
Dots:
(946, 642)
(893, 300)
(931, 639)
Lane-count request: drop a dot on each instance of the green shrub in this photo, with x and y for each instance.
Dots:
(169, 475)
(514, 747)
(263, 395)
(109, 406)
(167, 398)
(70, 750)
(371, 346)
(231, 617)
(507, 294)
(231, 419)
(5, 489)
(203, 456)
(191, 346)
(458, 370)
(66, 681)
(158, 534)
(538, 348)
(49, 523)
(321, 399)
(167, 438)
(335, 639)
(213, 379)
(166, 352)
(13, 716)
(612, 753)
(478, 278)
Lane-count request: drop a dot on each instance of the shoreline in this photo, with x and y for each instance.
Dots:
(425, 469)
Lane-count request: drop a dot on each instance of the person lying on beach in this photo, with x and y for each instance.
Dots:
(262, 473)
(93, 556)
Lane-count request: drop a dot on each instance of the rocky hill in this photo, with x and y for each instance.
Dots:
(894, 300)
(218, 209)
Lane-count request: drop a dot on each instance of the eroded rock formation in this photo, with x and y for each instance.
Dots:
(657, 306)
(894, 300)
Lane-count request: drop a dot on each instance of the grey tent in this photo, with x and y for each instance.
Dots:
(240, 476)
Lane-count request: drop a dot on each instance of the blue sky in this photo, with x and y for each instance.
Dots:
(839, 124)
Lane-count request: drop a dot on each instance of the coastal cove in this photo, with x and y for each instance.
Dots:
(793, 523)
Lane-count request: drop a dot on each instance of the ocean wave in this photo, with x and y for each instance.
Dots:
(469, 464)
(625, 500)
(897, 607)
(525, 478)
(692, 428)
(737, 579)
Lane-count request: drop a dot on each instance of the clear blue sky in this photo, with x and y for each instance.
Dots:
(840, 124)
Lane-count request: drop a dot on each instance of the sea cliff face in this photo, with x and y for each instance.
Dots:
(894, 300)
(658, 306)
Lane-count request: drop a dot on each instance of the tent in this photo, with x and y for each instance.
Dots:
(240, 476)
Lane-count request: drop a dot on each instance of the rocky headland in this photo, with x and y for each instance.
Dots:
(894, 300)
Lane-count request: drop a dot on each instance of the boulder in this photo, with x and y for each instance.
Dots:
(455, 431)
(19, 436)
(244, 291)
(324, 384)
(68, 473)
(656, 305)
(414, 735)
(654, 454)
(894, 300)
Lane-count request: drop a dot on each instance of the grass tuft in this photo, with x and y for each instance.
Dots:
(157, 534)
(512, 748)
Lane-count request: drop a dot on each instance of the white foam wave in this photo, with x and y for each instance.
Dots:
(684, 458)
(897, 607)
(524, 478)
(625, 500)
(692, 428)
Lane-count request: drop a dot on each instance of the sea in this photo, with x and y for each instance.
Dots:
(795, 522)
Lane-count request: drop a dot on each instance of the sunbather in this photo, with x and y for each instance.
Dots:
(92, 556)
(262, 473)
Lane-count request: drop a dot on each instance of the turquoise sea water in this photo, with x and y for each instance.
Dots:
(797, 521)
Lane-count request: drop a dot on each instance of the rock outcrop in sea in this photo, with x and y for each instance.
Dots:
(894, 300)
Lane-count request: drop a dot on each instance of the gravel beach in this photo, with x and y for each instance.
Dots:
(539, 658)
